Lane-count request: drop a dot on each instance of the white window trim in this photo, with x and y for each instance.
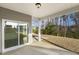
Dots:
(15, 47)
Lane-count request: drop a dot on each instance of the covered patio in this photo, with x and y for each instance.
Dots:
(39, 43)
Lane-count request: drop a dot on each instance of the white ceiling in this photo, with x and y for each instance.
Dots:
(45, 10)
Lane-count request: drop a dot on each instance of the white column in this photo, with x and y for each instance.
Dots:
(29, 28)
(39, 31)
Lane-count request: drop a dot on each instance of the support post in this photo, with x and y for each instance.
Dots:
(39, 31)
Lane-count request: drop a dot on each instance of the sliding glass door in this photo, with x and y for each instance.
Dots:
(15, 34)
(23, 33)
(11, 34)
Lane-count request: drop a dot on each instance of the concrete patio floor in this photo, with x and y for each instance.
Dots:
(40, 48)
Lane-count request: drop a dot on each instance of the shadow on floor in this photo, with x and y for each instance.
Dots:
(36, 50)
(58, 51)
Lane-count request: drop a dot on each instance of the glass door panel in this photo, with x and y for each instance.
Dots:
(10, 34)
(23, 33)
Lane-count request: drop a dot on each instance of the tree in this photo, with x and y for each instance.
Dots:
(50, 29)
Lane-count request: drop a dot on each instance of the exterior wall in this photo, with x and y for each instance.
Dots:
(0, 35)
(13, 15)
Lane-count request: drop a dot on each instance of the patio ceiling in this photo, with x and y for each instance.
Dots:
(45, 10)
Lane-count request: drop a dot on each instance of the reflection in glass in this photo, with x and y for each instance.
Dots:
(11, 34)
(23, 33)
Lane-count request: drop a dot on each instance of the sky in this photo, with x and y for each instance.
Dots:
(35, 23)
